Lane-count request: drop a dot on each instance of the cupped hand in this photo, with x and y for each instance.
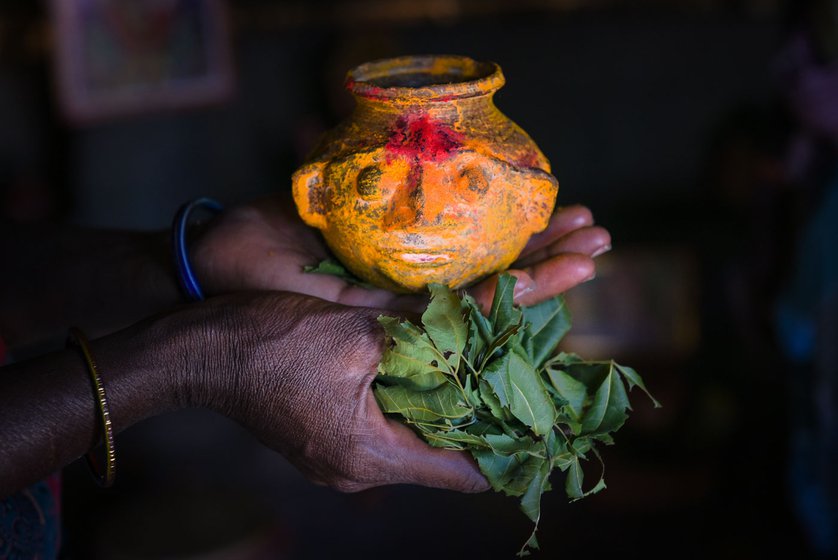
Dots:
(297, 372)
(265, 245)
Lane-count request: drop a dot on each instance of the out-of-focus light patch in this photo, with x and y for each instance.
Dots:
(643, 302)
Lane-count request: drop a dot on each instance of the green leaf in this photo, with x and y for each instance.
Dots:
(573, 482)
(498, 469)
(607, 439)
(496, 376)
(599, 487)
(564, 460)
(472, 394)
(332, 267)
(503, 313)
(504, 444)
(548, 322)
(479, 330)
(607, 412)
(499, 342)
(564, 359)
(582, 445)
(412, 360)
(571, 390)
(532, 543)
(575, 478)
(492, 402)
(405, 331)
(530, 466)
(569, 423)
(443, 321)
(401, 369)
(480, 428)
(531, 504)
(519, 387)
(517, 408)
(590, 374)
(633, 379)
(455, 439)
(531, 501)
(554, 444)
(442, 403)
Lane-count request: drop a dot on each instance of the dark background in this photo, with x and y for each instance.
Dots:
(665, 118)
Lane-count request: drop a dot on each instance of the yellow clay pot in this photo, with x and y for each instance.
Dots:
(426, 181)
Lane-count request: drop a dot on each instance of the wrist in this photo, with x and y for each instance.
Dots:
(145, 366)
(181, 236)
(199, 344)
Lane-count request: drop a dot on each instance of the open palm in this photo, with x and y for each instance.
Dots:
(265, 246)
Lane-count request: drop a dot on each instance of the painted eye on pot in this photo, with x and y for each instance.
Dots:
(368, 183)
(474, 179)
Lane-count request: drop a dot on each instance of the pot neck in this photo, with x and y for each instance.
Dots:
(445, 109)
(431, 83)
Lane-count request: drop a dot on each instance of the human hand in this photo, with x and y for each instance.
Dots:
(297, 372)
(265, 246)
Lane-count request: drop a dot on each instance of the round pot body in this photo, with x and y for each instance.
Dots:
(426, 181)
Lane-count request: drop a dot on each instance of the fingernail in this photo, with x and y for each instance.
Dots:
(580, 220)
(589, 278)
(601, 250)
(521, 290)
(524, 285)
(481, 485)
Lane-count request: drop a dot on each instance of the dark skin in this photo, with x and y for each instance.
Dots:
(265, 246)
(293, 365)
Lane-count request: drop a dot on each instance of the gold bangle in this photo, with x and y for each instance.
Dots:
(77, 338)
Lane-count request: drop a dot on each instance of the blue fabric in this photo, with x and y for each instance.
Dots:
(29, 524)
(807, 323)
(815, 275)
(30, 520)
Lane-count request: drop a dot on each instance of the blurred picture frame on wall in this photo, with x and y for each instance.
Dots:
(642, 306)
(119, 58)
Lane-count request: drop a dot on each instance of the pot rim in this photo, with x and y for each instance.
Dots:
(448, 77)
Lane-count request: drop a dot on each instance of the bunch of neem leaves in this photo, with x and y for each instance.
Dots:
(493, 386)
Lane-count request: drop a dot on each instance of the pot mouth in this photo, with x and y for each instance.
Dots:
(429, 78)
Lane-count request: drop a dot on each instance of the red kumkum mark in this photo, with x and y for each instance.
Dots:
(369, 91)
(420, 138)
(374, 92)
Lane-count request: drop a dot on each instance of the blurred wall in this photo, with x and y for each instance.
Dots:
(622, 105)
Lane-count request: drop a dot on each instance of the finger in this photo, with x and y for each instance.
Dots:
(555, 276)
(590, 240)
(338, 290)
(419, 463)
(561, 223)
(382, 299)
(540, 281)
(484, 291)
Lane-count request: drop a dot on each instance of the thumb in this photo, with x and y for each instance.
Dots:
(419, 463)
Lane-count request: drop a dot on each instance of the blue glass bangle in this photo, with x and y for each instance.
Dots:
(183, 268)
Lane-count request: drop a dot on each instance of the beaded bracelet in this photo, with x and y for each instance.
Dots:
(77, 338)
(186, 277)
